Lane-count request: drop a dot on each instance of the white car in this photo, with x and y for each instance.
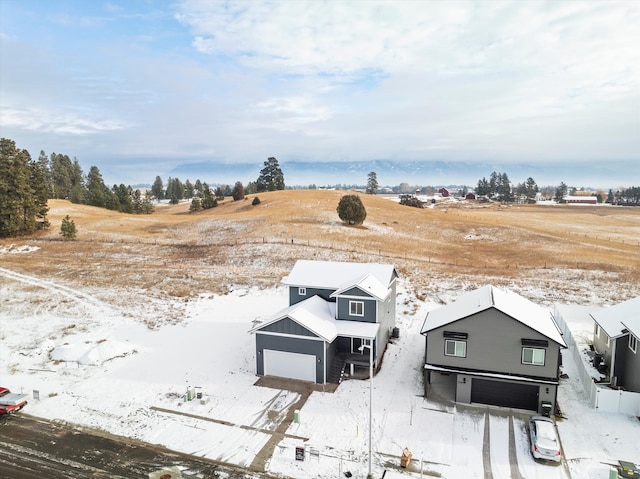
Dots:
(545, 443)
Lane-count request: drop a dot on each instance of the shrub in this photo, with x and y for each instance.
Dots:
(256, 201)
(351, 210)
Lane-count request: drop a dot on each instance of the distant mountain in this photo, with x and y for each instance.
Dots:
(417, 173)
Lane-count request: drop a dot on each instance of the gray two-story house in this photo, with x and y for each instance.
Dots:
(500, 348)
(336, 312)
(616, 340)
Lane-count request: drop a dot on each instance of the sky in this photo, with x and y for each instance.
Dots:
(138, 87)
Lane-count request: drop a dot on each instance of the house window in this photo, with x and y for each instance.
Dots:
(356, 308)
(455, 348)
(302, 291)
(533, 356)
(633, 343)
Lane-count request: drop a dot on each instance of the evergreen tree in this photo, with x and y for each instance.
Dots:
(68, 228)
(610, 197)
(271, 177)
(147, 204)
(16, 194)
(123, 193)
(189, 190)
(251, 188)
(372, 183)
(136, 201)
(238, 191)
(198, 187)
(43, 160)
(208, 200)
(96, 189)
(62, 171)
(483, 188)
(561, 192)
(196, 205)
(351, 210)
(157, 189)
(38, 182)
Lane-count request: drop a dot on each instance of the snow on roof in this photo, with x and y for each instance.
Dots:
(615, 319)
(510, 303)
(318, 316)
(337, 274)
(368, 283)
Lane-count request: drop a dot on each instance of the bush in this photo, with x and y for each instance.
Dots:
(351, 210)
(256, 201)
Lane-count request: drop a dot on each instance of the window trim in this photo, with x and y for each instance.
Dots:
(633, 340)
(533, 352)
(455, 348)
(302, 291)
(354, 303)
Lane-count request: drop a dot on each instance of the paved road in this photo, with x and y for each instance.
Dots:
(33, 448)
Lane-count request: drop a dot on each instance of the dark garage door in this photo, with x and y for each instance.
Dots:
(498, 393)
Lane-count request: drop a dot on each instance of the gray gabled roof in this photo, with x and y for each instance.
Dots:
(508, 302)
(318, 316)
(615, 319)
(337, 274)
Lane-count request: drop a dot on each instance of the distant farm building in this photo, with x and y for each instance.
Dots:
(581, 200)
(444, 192)
(470, 196)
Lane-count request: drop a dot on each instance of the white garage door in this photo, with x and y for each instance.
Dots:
(289, 365)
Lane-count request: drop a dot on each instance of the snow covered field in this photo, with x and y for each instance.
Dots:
(94, 364)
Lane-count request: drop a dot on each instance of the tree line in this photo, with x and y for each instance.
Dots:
(27, 184)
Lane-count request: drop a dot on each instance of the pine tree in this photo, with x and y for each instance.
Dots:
(271, 177)
(158, 189)
(372, 183)
(68, 228)
(23, 196)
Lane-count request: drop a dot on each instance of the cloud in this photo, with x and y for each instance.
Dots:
(51, 122)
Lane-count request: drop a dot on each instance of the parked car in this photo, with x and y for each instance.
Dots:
(11, 402)
(545, 443)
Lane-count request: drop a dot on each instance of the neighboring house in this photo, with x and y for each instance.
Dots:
(500, 348)
(616, 339)
(470, 196)
(444, 192)
(335, 309)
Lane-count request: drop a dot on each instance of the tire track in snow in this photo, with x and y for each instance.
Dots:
(65, 291)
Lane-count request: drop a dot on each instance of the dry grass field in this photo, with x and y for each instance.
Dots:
(558, 252)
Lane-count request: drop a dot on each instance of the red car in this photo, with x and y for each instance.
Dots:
(11, 402)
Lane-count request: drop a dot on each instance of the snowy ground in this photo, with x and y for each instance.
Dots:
(93, 364)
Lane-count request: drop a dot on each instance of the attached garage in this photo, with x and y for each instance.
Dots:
(289, 365)
(505, 394)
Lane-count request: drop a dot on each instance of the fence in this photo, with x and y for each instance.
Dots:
(601, 397)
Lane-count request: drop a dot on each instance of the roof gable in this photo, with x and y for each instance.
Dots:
(513, 305)
(615, 319)
(369, 284)
(318, 316)
(337, 274)
(314, 314)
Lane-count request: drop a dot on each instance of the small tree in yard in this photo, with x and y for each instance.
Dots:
(351, 210)
(68, 228)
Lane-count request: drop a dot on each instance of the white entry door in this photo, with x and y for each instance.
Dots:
(289, 365)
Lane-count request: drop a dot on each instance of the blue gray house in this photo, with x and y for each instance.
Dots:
(334, 309)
